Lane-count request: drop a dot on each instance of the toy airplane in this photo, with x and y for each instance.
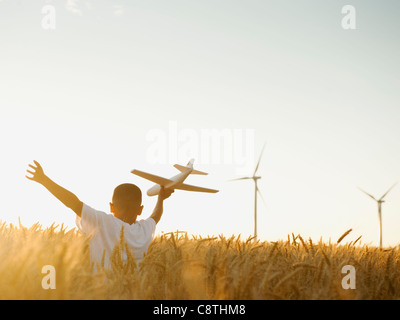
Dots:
(176, 182)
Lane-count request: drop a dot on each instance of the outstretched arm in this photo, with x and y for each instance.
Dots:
(65, 196)
(158, 210)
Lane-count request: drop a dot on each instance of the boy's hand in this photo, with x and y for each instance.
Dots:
(38, 173)
(165, 193)
(65, 196)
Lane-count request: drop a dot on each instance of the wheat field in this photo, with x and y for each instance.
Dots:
(179, 266)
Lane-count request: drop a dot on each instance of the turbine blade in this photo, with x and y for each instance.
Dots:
(367, 194)
(244, 178)
(388, 191)
(262, 198)
(259, 159)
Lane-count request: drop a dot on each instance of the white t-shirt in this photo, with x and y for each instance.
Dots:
(105, 230)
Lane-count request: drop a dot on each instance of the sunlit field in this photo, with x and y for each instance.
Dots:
(179, 266)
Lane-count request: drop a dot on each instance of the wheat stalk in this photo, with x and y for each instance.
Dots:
(344, 235)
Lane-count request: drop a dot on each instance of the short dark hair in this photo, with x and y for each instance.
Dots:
(127, 195)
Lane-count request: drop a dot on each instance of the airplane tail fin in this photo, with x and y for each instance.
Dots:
(189, 165)
(180, 167)
(199, 172)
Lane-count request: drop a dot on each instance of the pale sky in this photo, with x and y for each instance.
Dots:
(86, 98)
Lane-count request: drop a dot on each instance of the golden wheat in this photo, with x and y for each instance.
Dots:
(179, 266)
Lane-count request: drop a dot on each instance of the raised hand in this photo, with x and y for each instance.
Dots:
(38, 173)
(165, 193)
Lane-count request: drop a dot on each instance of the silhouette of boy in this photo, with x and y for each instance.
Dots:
(105, 229)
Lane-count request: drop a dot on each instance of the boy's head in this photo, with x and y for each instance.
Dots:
(126, 202)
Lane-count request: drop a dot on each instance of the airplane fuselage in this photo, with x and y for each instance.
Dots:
(175, 182)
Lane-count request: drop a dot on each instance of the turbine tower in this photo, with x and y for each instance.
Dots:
(379, 202)
(255, 177)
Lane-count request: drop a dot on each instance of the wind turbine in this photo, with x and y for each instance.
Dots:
(255, 177)
(379, 202)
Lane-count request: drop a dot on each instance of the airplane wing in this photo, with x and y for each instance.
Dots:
(188, 187)
(156, 179)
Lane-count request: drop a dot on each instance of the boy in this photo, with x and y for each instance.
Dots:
(104, 229)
